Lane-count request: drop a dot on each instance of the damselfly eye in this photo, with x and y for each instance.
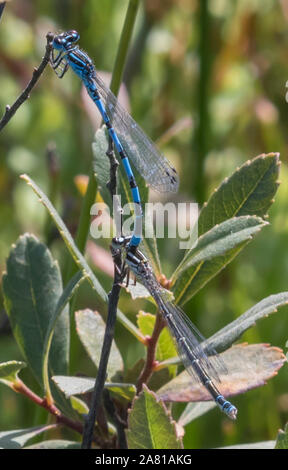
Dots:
(73, 35)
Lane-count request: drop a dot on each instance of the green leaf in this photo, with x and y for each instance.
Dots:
(77, 255)
(248, 191)
(65, 234)
(9, 372)
(55, 444)
(282, 439)
(125, 391)
(150, 425)
(101, 167)
(131, 375)
(146, 323)
(32, 287)
(91, 330)
(137, 291)
(79, 406)
(80, 385)
(62, 302)
(73, 385)
(227, 335)
(220, 239)
(264, 362)
(17, 438)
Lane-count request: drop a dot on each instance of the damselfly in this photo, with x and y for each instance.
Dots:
(202, 364)
(130, 141)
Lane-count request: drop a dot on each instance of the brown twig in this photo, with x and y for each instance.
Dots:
(151, 350)
(11, 110)
(20, 387)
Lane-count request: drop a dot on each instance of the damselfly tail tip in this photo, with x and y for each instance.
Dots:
(233, 413)
(227, 407)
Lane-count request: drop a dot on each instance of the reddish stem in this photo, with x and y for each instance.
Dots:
(20, 387)
(151, 349)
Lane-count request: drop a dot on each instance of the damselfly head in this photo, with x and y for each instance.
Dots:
(119, 242)
(64, 40)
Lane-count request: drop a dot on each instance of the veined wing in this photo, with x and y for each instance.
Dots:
(149, 162)
(188, 341)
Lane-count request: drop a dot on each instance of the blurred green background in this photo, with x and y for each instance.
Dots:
(217, 69)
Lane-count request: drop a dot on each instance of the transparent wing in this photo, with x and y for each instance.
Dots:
(139, 148)
(197, 360)
(188, 342)
(216, 361)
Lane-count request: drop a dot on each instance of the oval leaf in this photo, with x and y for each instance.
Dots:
(248, 191)
(91, 330)
(227, 335)
(220, 239)
(150, 425)
(17, 438)
(249, 366)
(61, 304)
(32, 287)
(73, 385)
(80, 385)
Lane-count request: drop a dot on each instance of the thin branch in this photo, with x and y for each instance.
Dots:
(96, 400)
(11, 110)
(117, 257)
(102, 370)
(150, 356)
(114, 416)
(20, 387)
